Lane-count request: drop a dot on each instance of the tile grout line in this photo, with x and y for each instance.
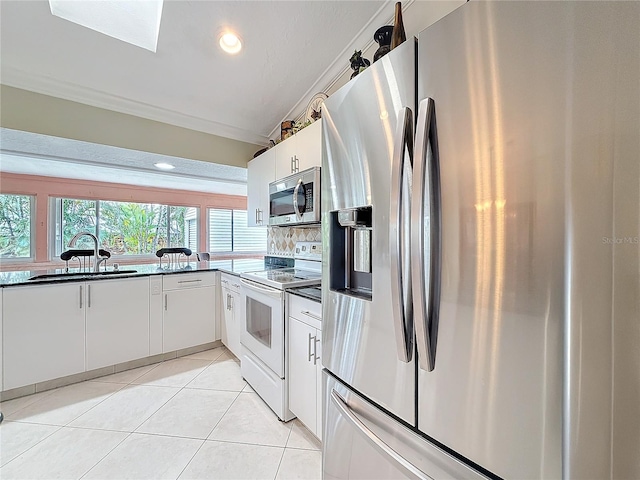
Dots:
(284, 450)
(32, 446)
(222, 416)
(106, 455)
(138, 426)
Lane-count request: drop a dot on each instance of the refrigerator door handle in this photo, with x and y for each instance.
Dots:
(426, 175)
(402, 463)
(402, 317)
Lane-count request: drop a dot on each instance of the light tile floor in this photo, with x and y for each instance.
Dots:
(189, 418)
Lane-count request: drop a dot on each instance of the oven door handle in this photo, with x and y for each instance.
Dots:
(267, 290)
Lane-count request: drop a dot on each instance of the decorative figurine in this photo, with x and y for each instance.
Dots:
(398, 36)
(382, 38)
(358, 63)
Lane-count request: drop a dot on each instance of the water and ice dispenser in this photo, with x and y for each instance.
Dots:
(350, 235)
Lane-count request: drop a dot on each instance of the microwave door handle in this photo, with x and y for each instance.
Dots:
(426, 176)
(295, 199)
(400, 280)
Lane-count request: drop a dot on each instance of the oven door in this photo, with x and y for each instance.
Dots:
(263, 329)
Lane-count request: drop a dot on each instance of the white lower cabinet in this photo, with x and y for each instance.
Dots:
(304, 361)
(43, 333)
(117, 321)
(189, 310)
(232, 313)
(1, 381)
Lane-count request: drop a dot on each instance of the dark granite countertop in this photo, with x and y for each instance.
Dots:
(312, 293)
(235, 267)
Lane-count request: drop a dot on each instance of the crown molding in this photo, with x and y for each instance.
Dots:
(17, 78)
(361, 41)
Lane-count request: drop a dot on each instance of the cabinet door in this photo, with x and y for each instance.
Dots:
(227, 317)
(260, 172)
(117, 321)
(285, 157)
(237, 322)
(319, 395)
(43, 333)
(302, 373)
(309, 146)
(189, 317)
(1, 291)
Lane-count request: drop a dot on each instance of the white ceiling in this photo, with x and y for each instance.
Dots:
(289, 47)
(292, 50)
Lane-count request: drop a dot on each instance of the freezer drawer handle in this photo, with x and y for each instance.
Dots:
(400, 279)
(426, 175)
(407, 468)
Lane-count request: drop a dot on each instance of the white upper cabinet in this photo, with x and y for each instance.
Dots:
(295, 154)
(299, 152)
(261, 171)
(285, 153)
(309, 147)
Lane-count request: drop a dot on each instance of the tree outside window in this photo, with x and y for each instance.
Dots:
(15, 225)
(124, 228)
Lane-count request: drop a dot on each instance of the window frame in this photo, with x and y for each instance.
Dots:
(231, 252)
(32, 232)
(53, 210)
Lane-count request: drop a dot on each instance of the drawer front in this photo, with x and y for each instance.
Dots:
(179, 281)
(305, 310)
(231, 282)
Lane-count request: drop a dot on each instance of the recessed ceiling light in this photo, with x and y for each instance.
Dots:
(230, 43)
(134, 22)
(164, 166)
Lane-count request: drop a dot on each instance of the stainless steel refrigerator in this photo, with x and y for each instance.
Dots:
(481, 223)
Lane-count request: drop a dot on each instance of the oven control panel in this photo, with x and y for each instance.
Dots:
(309, 250)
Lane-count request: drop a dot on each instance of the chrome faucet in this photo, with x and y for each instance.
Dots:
(96, 251)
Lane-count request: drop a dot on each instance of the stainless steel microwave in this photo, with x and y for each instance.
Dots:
(295, 200)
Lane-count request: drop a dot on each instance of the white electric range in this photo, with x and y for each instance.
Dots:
(263, 338)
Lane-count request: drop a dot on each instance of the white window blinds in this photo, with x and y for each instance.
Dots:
(228, 232)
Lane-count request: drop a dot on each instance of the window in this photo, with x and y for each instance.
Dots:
(16, 212)
(228, 232)
(124, 228)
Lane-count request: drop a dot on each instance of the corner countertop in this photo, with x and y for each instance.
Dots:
(234, 267)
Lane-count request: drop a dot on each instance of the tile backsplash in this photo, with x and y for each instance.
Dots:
(281, 241)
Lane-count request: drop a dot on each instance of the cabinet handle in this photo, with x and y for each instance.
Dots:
(315, 351)
(297, 164)
(165, 301)
(80, 296)
(293, 165)
(311, 355)
(260, 215)
(309, 314)
(228, 302)
(190, 281)
(89, 295)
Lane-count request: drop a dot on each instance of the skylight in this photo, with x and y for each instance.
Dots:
(132, 21)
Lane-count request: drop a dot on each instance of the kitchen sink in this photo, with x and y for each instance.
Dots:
(71, 276)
